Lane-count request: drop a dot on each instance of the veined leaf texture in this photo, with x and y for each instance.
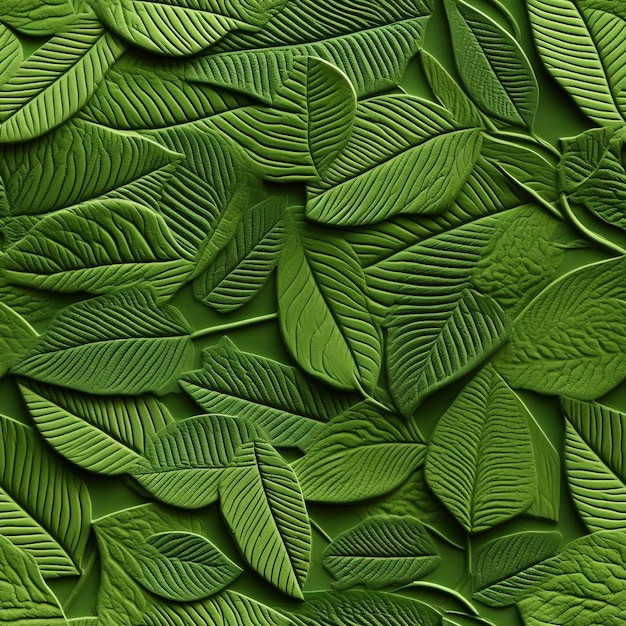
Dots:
(312, 313)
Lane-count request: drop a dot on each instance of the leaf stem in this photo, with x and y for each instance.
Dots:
(82, 581)
(205, 332)
(443, 537)
(530, 139)
(603, 241)
(446, 591)
(320, 530)
(470, 556)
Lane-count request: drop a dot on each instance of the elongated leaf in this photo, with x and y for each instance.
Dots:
(594, 463)
(363, 185)
(480, 455)
(323, 312)
(117, 343)
(507, 556)
(186, 460)
(304, 130)
(243, 267)
(381, 551)
(181, 27)
(262, 504)
(17, 336)
(11, 56)
(493, 65)
(286, 405)
(580, 48)
(45, 510)
(56, 81)
(37, 18)
(362, 437)
(184, 566)
(27, 600)
(544, 353)
(103, 435)
(98, 247)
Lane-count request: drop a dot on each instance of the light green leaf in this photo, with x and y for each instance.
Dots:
(594, 463)
(17, 337)
(363, 187)
(243, 267)
(362, 437)
(186, 460)
(480, 455)
(56, 81)
(103, 435)
(323, 311)
(26, 600)
(545, 352)
(184, 566)
(262, 504)
(83, 621)
(289, 407)
(38, 18)
(304, 130)
(492, 65)
(505, 557)
(580, 47)
(11, 55)
(44, 509)
(98, 247)
(120, 343)
(380, 551)
(181, 27)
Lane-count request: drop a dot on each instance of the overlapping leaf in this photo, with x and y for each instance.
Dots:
(37, 18)
(17, 336)
(11, 56)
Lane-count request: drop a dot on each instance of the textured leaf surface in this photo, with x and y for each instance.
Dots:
(546, 352)
(186, 460)
(17, 336)
(381, 551)
(56, 81)
(184, 566)
(103, 435)
(262, 504)
(44, 509)
(11, 56)
(288, 406)
(37, 18)
(361, 454)
(480, 455)
(117, 343)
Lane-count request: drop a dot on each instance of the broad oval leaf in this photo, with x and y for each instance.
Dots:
(262, 504)
(37, 18)
(545, 352)
(45, 510)
(56, 81)
(17, 337)
(184, 566)
(382, 550)
(103, 435)
(480, 455)
(120, 343)
(186, 460)
(332, 470)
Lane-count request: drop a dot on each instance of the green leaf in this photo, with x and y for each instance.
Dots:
(580, 47)
(117, 343)
(362, 437)
(26, 599)
(243, 267)
(11, 55)
(17, 336)
(362, 186)
(492, 65)
(262, 504)
(181, 27)
(365, 608)
(307, 126)
(56, 81)
(545, 353)
(505, 557)
(480, 455)
(103, 161)
(38, 18)
(184, 566)
(594, 463)
(98, 247)
(381, 551)
(103, 435)
(141, 98)
(323, 311)
(186, 460)
(286, 405)
(45, 510)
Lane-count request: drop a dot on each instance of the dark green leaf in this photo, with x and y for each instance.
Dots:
(17, 337)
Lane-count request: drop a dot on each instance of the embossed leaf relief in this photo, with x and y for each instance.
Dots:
(312, 313)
